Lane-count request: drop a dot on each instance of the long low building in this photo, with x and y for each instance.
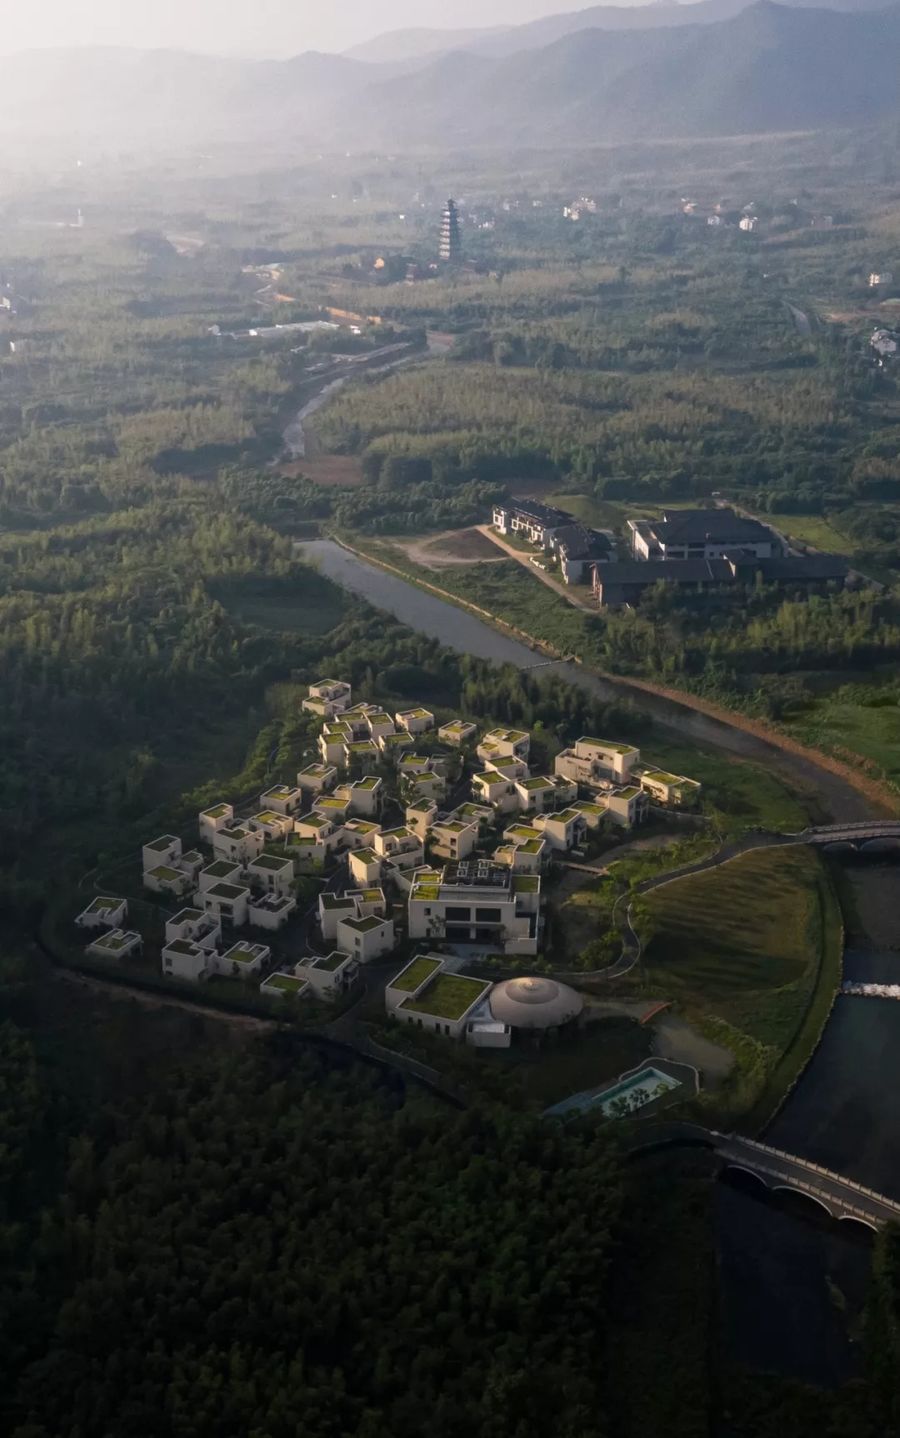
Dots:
(618, 584)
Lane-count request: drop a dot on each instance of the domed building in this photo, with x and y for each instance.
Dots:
(534, 1003)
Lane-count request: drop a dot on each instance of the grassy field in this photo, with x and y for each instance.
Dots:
(814, 529)
(856, 721)
(738, 793)
(752, 954)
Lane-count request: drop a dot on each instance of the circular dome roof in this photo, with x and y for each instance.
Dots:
(534, 1003)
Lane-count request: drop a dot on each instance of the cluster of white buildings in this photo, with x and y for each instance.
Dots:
(444, 868)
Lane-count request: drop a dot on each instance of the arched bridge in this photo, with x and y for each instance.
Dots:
(785, 1172)
(874, 834)
(840, 1197)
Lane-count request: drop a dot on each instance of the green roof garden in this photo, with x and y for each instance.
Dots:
(336, 901)
(317, 770)
(270, 862)
(160, 845)
(417, 714)
(371, 782)
(314, 821)
(508, 736)
(532, 785)
(584, 806)
(288, 982)
(414, 975)
(237, 833)
(115, 941)
(366, 856)
(166, 875)
(362, 746)
(187, 916)
(532, 846)
(226, 891)
(268, 816)
(373, 896)
(566, 816)
(99, 905)
(523, 832)
(217, 812)
(221, 869)
(333, 803)
(628, 793)
(610, 745)
(364, 926)
(241, 955)
(332, 963)
(361, 826)
(182, 946)
(526, 883)
(449, 996)
(490, 776)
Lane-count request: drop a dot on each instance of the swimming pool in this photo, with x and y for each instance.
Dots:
(633, 1093)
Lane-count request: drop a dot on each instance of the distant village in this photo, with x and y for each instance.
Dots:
(463, 873)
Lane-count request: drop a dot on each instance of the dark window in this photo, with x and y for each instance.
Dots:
(457, 916)
(488, 916)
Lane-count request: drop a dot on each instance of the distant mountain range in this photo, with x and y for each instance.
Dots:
(766, 68)
(510, 39)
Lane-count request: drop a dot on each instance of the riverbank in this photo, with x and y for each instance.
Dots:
(883, 801)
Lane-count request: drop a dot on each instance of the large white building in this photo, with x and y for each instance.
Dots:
(472, 902)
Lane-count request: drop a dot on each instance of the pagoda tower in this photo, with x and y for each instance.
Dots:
(451, 242)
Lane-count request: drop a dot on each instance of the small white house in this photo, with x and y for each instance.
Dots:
(366, 939)
(504, 744)
(329, 977)
(271, 874)
(363, 796)
(210, 821)
(458, 732)
(115, 944)
(103, 913)
(537, 795)
(226, 901)
(415, 721)
(327, 698)
(332, 742)
(273, 826)
(495, 789)
(184, 959)
(332, 909)
(282, 799)
(242, 960)
(317, 777)
(196, 926)
(240, 844)
(420, 816)
(160, 852)
(222, 871)
(166, 880)
(626, 807)
(455, 838)
(562, 831)
(365, 866)
(271, 911)
(358, 833)
(402, 846)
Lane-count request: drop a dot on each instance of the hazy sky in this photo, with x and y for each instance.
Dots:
(259, 27)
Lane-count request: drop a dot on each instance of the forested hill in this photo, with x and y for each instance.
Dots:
(769, 68)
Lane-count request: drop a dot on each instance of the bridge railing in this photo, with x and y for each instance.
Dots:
(836, 1178)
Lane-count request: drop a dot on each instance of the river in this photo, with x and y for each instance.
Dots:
(791, 1288)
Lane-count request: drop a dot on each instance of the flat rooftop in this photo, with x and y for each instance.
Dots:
(448, 996)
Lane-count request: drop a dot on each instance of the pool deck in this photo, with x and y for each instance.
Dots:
(684, 1075)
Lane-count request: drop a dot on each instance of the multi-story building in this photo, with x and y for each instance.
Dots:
(366, 939)
(282, 799)
(499, 744)
(317, 777)
(240, 844)
(115, 944)
(457, 732)
(271, 911)
(594, 760)
(472, 902)
(702, 534)
(455, 838)
(415, 721)
(103, 913)
(211, 821)
(330, 977)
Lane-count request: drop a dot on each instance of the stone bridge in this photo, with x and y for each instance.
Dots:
(840, 1197)
(872, 835)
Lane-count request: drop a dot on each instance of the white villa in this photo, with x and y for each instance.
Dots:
(415, 721)
(115, 944)
(329, 977)
(327, 698)
(458, 732)
(366, 939)
(103, 913)
(210, 821)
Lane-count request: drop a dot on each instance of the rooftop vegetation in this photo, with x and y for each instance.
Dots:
(415, 974)
(288, 982)
(332, 963)
(448, 996)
